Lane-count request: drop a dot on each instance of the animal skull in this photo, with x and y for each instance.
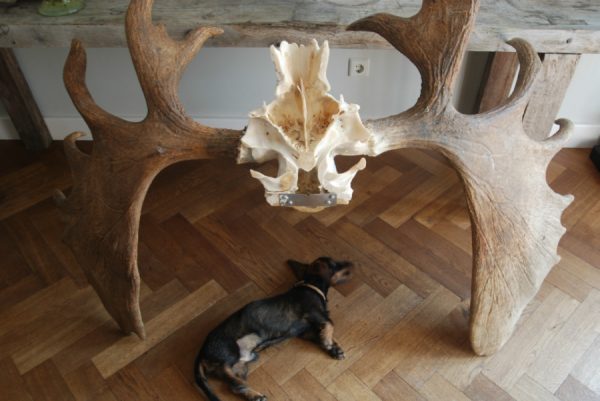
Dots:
(304, 128)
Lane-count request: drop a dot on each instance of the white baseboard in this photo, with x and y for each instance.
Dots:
(585, 135)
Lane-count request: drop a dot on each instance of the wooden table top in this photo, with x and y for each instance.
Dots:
(552, 26)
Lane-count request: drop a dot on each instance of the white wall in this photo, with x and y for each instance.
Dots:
(223, 84)
(582, 102)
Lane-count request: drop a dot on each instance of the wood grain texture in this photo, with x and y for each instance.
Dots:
(498, 79)
(516, 216)
(552, 27)
(432, 339)
(19, 103)
(548, 94)
(103, 209)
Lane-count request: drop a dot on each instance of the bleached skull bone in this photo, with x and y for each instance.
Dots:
(304, 128)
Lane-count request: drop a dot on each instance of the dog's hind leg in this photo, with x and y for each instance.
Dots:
(240, 369)
(239, 386)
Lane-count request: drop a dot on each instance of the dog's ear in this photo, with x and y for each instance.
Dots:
(298, 268)
(343, 273)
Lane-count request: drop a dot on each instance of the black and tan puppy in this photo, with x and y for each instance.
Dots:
(300, 312)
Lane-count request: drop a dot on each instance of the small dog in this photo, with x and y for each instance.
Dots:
(300, 312)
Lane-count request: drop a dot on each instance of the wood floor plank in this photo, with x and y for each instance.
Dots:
(129, 384)
(205, 254)
(45, 383)
(225, 192)
(582, 246)
(262, 382)
(435, 349)
(506, 368)
(364, 268)
(181, 347)
(348, 388)
(562, 278)
(79, 315)
(456, 235)
(392, 388)
(81, 352)
(552, 367)
(299, 246)
(381, 200)
(126, 350)
(398, 342)
(586, 190)
(358, 337)
(85, 383)
(304, 387)
(46, 218)
(30, 309)
(264, 268)
(587, 370)
(36, 253)
(176, 260)
(12, 384)
(29, 185)
(402, 320)
(438, 208)
(171, 384)
(575, 159)
(175, 180)
(580, 268)
(20, 291)
(421, 254)
(206, 189)
(527, 389)
(483, 389)
(363, 190)
(406, 207)
(14, 266)
(438, 389)
(572, 389)
(387, 259)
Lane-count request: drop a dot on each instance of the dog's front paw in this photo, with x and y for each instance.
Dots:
(260, 398)
(336, 352)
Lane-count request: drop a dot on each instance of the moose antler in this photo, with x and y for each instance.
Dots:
(104, 206)
(515, 215)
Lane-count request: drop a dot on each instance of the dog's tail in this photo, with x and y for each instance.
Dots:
(202, 381)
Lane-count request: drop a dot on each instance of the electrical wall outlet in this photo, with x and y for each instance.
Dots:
(358, 67)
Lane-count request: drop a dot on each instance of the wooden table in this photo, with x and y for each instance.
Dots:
(562, 30)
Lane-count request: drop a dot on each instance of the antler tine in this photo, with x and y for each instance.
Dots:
(438, 58)
(76, 158)
(151, 45)
(74, 79)
(529, 67)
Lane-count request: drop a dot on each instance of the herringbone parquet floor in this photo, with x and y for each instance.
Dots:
(209, 244)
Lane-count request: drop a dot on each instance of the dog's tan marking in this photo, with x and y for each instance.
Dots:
(327, 335)
(239, 385)
(246, 345)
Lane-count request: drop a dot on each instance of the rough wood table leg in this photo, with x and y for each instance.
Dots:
(20, 105)
(548, 90)
(498, 79)
(548, 93)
